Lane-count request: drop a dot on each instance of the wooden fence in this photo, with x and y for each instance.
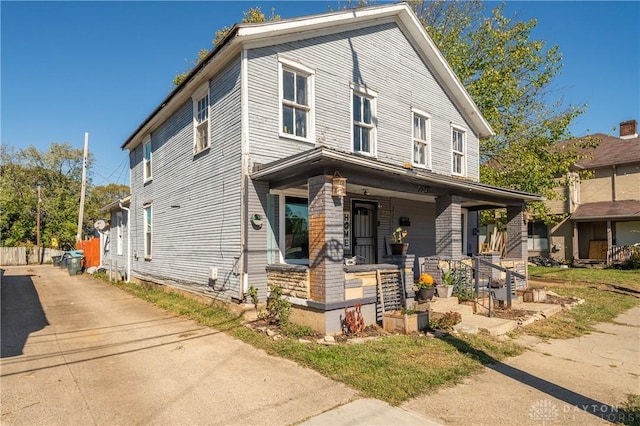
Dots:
(12, 256)
(91, 251)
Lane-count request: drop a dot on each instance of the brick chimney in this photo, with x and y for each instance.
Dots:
(629, 129)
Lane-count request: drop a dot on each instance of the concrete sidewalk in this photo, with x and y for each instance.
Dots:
(579, 381)
(76, 351)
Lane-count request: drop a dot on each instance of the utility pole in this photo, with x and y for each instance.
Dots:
(84, 185)
(38, 224)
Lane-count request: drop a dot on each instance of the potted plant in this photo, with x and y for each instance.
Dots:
(448, 279)
(425, 286)
(398, 246)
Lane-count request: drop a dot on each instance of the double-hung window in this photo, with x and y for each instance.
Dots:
(458, 142)
(148, 221)
(296, 100)
(364, 119)
(421, 139)
(146, 151)
(201, 119)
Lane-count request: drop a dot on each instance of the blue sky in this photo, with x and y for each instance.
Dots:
(102, 67)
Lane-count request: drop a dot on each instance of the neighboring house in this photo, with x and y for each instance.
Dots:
(603, 210)
(235, 176)
(116, 239)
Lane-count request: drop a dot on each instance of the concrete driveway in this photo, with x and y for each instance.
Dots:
(78, 351)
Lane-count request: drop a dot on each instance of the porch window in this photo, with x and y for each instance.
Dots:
(364, 117)
(146, 150)
(421, 139)
(201, 119)
(537, 238)
(296, 99)
(296, 227)
(147, 231)
(458, 150)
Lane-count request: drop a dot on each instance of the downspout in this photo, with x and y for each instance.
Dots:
(128, 239)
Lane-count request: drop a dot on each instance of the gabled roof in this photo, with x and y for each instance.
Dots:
(610, 150)
(307, 26)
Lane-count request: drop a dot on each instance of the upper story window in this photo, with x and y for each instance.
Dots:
(364, 119)
(458, 148)
(296, 100)
(421, 138)
(146, 150)
(201, 119)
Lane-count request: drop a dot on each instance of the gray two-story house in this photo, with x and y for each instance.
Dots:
(238, 177)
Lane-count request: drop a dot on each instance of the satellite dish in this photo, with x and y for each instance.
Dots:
(100, 225)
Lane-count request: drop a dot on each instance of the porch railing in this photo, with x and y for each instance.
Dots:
(620, 254)
(477, 279)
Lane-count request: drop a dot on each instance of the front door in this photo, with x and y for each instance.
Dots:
(364, 231)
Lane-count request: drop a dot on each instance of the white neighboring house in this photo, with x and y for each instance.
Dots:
(115, 240)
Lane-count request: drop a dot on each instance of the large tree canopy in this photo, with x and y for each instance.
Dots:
(509, 75)
(58, 171)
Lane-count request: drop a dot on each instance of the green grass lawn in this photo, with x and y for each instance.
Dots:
(629, 279)
(397, 368)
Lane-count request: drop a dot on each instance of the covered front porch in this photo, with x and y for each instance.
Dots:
(332, 241)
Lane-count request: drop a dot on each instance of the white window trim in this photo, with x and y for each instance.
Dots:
(282, 226)
(297, 67)
(147, 141)
(195, 98)
(119, 233)
(144, 218)
(464, 149)
(427, 117)
(373, 96)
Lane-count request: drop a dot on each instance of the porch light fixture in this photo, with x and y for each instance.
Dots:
(339, 185)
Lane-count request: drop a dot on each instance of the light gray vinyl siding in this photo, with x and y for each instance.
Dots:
(256, 253)
(381, 58)
(196, 200)
(421, 235)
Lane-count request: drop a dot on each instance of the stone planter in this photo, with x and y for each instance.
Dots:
(396, 321)
(445, 290)
(426, 293)
(399, 248)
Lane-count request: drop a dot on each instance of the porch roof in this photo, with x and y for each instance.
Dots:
(361, 170)
(625, 209)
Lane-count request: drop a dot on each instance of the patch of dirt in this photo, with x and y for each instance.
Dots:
(561, 300)
(511, 314)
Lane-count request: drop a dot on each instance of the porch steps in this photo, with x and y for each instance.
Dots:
(472, 323)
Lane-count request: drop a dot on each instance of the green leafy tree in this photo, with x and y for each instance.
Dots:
(253, 15)
(97, 198)
(509, 75)
(58, 171)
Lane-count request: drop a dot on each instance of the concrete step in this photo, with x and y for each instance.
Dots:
(439, 303)
(482, 324)
(463, 310)
(545, 309)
